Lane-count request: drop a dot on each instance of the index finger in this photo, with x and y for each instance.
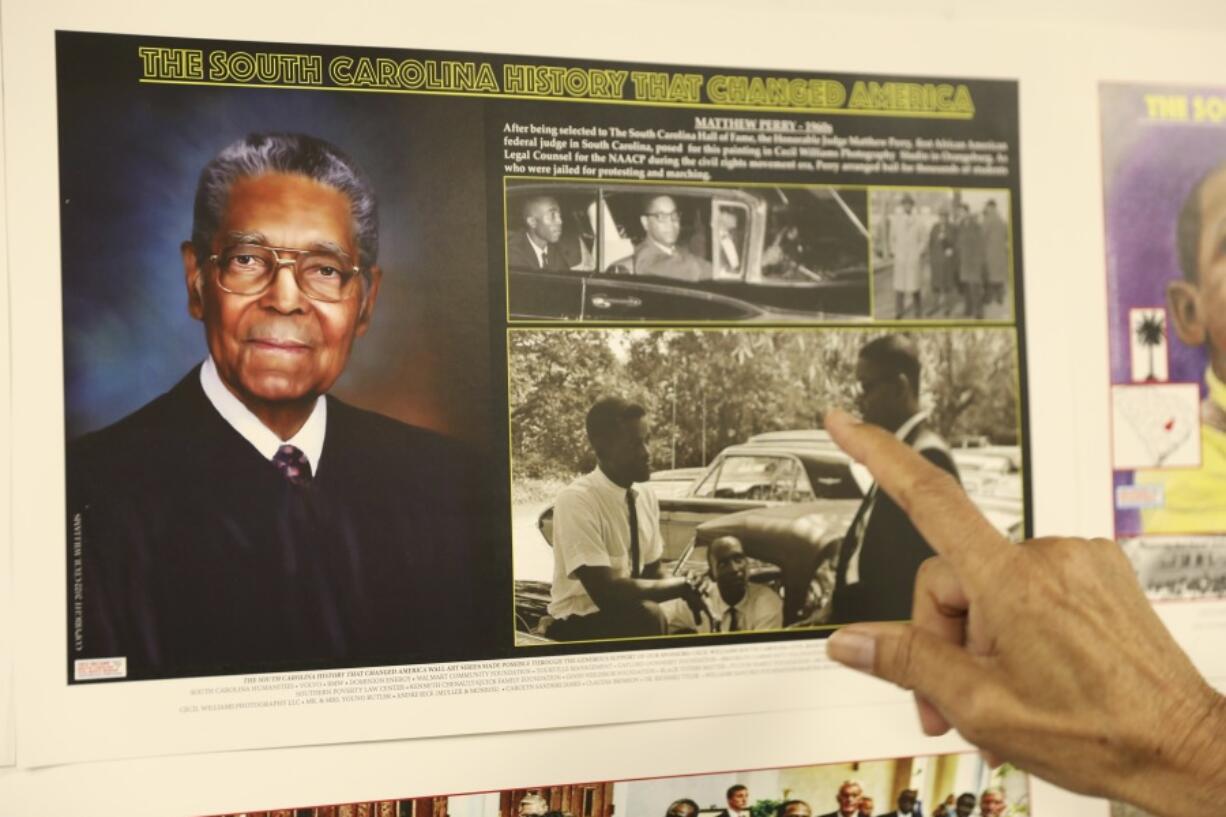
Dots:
(934, 501)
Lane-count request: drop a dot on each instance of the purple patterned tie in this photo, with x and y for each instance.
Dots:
(292, 464)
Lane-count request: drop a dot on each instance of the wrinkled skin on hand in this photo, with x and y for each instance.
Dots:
(1046, 654)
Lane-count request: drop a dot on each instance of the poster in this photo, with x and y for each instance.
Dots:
(955, 785)
(1165, 194)
(714, 247)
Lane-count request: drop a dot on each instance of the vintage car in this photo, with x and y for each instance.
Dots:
(798, 482)
(673, 482)
(772, 253)
(770, 470)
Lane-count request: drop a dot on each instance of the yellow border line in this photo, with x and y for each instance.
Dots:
(928, 327)
(696, 106)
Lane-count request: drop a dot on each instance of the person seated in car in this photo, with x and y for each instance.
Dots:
(733, 603)
(536, 245)
(659, 254)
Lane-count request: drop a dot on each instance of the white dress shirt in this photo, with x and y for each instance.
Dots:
(591, 527)
(309, 439)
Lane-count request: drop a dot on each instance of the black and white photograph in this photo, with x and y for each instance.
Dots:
(669, 483)
(609, 251)
(1179, 567)
(941, 254)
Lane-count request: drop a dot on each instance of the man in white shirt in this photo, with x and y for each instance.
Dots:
(607, 546)
(733, 603)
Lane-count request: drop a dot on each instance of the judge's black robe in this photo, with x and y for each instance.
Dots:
(192, 555)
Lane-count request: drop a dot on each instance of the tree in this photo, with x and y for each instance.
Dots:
(1150, 335)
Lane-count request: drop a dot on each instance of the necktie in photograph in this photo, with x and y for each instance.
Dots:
(292, 464)
(733, 623)
(634, 533)
(545, 258)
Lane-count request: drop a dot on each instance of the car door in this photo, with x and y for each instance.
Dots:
(734, 482)
(544, 295)
(647, 298)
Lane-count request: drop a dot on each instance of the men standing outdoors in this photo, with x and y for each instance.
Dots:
(972, 261)
(908, 241)
(536, 245)
(733, 603)
(1192, 497)
(659, 253)
(849, 799)
(943, 260)
(882, 551)
(737, 798)
(246, 520)
(996, 253)
(607, 546)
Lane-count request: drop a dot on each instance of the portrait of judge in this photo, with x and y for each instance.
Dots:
(247, 519)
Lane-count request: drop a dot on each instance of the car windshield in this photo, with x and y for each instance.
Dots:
(763, 478)
(832, 479)
(814, 234)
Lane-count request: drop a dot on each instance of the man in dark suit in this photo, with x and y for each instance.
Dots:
(848, 799)
(246, 520)
(737, 798)
(882, 551)
(537, 245)
(907, 800)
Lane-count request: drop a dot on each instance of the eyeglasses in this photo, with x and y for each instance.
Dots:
(249, 269)
(661, 215)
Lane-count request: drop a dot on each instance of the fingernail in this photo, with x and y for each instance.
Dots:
(853, 648)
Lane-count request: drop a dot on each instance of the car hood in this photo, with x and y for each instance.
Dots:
(811, 523)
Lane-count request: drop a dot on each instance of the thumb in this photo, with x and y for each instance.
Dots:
(909, 657)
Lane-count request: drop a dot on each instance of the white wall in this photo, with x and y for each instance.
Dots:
(1058, 54)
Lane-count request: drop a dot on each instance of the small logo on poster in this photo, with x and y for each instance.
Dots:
(99, 669)
(1129, 497)
(1148, 345)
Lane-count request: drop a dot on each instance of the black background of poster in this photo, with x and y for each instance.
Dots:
(436, 353)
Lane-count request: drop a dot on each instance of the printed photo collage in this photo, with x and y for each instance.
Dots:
(956, 785)
(672, 350)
